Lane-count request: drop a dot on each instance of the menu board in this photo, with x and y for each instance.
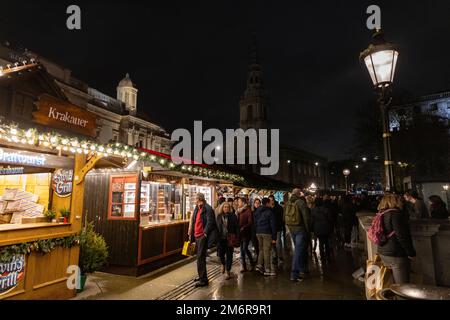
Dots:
(123, 197)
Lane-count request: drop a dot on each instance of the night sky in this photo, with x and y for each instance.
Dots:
(189, 59)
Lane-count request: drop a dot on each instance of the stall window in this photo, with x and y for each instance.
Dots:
(122, 197)
(191, 196)
(160, 202)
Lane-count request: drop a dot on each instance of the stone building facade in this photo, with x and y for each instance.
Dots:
(117, 119)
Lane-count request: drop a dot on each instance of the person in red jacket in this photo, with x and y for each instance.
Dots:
(245, 218)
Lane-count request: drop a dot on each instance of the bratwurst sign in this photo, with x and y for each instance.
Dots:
(64, 115)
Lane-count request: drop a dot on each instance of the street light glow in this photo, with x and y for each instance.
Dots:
(346, 172)
(380, 59)
(364, 159)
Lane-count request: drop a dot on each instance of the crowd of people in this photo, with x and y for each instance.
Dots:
(259, 229)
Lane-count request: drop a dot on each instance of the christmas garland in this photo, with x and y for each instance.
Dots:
(56, 141)
(41, 246)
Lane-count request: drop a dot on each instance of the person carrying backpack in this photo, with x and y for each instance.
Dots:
(391, 233)
(297, 217)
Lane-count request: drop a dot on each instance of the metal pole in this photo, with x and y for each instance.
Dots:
(346, 184)
(388, 163)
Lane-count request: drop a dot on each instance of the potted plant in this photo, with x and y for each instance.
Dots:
(65, 213)
(93, 252)
(50, 215)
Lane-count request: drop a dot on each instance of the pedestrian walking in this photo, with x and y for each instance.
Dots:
(321, 225)
(228, 231)
(279, 224)
(245, 218)
(267, 235)
(297, 219)
(203, 230)
(254, 240)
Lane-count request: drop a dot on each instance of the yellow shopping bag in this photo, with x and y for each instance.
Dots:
(377, 278)
(188, 249)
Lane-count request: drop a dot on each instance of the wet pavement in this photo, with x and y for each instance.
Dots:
(329, 282)
(333, 281)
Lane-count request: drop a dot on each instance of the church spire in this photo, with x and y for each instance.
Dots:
(254, 104)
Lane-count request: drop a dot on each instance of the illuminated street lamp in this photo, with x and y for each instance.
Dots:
(445, 187)
(346, 173)
(380, 58)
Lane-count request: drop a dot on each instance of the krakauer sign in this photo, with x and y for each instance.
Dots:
(11, 273)
(64, 115)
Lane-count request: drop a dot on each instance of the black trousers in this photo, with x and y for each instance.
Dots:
(225, 253)
(324, 247)
(202, 248)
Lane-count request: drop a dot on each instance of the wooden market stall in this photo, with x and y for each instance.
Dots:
(42, 169)
(143, 213)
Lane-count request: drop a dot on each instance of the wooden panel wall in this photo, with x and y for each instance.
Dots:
(120, 235)
(46, 275)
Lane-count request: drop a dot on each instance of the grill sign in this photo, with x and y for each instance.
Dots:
(11, 273)
(62, 182)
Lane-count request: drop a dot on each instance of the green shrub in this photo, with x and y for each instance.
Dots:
(93, 250)
(49, 214)
(65, 213)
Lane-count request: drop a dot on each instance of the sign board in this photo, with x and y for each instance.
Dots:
(33, 159)
(62, 182)
(11, 273)
(9, 171)
(64, 115)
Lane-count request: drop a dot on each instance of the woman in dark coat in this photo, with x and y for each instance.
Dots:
(322, 226)
(227, 224)
(438, 209)
(398, 251)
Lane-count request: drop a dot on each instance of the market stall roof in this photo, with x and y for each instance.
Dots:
(31, 137)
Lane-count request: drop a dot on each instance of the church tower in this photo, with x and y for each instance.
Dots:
(254, 102)
(127, 93)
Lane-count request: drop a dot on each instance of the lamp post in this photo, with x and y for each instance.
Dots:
(346, 173)
(380, 58)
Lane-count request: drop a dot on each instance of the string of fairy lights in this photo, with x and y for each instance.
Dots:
(55, 141)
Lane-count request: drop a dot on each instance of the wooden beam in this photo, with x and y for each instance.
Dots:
(87, 167)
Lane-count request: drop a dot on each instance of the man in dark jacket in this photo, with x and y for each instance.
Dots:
(267, 235)
(203, 230)
(416, 207)
(279, 223)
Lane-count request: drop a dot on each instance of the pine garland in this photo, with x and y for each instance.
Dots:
(41, 246)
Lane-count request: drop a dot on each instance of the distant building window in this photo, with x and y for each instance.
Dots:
(250, 112)
(126, 98)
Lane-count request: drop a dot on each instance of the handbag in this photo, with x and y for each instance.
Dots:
(188, 249)
(232, 240)
(377, 278)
